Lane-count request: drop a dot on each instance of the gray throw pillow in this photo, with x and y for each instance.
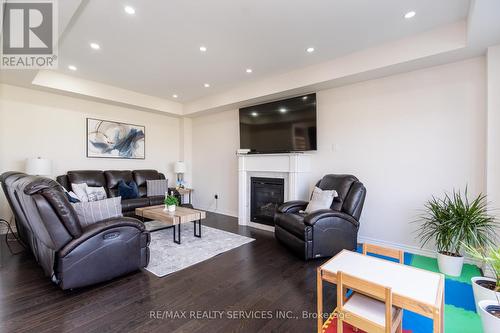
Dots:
(81, 191)
(156, 187)
(320, 200)
(94, 211)
(96, 193)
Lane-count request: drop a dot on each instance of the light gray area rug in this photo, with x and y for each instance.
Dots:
(167, 257)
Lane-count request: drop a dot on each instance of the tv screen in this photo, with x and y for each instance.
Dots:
(282, 126)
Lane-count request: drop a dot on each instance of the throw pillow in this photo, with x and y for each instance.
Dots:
(128, 191)
(156, 187)
(80, 191)
(96, 193)
(320, 200)
(95, 211)
(72, 197)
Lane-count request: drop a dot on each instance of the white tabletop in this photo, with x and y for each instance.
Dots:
(409, 282)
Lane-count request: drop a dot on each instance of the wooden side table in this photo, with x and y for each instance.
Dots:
(184, 191)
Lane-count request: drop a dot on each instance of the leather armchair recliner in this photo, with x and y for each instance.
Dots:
(325, 232)
(71, 254)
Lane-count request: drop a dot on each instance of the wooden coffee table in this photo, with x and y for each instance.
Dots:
(176, 219)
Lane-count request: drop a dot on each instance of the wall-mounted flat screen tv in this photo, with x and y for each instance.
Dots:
(282, 126)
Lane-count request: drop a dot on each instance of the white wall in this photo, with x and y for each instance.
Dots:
(407, 137)
(35, 123)
(215, 166)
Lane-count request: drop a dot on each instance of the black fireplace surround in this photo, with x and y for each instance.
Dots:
(266, 194)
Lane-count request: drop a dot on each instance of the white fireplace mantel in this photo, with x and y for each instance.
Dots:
(294, 168)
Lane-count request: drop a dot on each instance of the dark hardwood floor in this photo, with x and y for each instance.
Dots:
(258, 278)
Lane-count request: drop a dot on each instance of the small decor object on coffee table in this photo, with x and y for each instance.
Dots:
(170, 202)
(176, 219)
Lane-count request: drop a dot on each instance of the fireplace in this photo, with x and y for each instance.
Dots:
(266, 194)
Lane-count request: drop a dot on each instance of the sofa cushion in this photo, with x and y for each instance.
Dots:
(96, 193)
(94, 211)
(128, 190)
(156, 187)
(321, 199)
(131, 204)
(113, 177)
(341, 184)
(94, 178)
(294, 223)
(156, 200)
(81, 191)
(142, 176)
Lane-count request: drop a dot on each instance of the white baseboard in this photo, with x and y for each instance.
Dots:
(218, 211)
(260, 226)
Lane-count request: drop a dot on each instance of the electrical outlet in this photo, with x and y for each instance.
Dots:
(216, 196)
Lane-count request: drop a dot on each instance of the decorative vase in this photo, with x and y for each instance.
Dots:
(482, 293)
(450, 265)
(171, 208)
(491, 323)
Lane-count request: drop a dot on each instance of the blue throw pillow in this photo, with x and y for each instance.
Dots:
(128, 191)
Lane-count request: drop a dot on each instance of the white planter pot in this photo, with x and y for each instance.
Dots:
(171, 208)
(450, 265)
(482, 293)
(491, 324)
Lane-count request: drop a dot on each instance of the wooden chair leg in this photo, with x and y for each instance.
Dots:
(340, 325)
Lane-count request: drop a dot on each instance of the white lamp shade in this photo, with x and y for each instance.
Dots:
(38, 166)
(180, 167)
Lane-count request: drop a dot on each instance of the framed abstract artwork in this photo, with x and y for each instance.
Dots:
(110, 139)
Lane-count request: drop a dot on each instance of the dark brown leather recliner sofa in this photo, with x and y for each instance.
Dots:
(325, 232)
(71, 254)
(109, 180)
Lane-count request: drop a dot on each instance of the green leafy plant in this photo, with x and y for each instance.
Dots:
(454, 221)
(171, 200)
(490, 256)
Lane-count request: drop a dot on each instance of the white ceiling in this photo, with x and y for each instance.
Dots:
(156, 51)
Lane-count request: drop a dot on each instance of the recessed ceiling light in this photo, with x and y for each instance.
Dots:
(283, 110)
(410, 14)
(129, 10)
(304, 98)
(72, 67)
(249, 70)
(254, 114)
(310, 49)
(95, 46)
(206, 85)
(175, 95)
(203, 48)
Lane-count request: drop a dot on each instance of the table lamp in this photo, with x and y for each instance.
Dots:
(38, 166)
(180, 169)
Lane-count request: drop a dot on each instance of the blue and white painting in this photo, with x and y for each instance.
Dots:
(115, 140)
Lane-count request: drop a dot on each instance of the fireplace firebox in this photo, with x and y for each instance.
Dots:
(266, 194)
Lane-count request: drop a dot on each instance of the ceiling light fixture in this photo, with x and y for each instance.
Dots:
(203, 48)
(249, 70)
(254, 114)
(72, 67)
(95, 46)
(283, 110)
(304, 98)
(129, 10)
(175, 95)
(410, 14)
(206, 85)
(310, 49)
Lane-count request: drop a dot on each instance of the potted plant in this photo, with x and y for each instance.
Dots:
(170, 203)
(454, 221)
(487, 290)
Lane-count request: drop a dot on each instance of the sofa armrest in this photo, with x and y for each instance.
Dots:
(100, 227)
(292, 206)
(313, 218)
